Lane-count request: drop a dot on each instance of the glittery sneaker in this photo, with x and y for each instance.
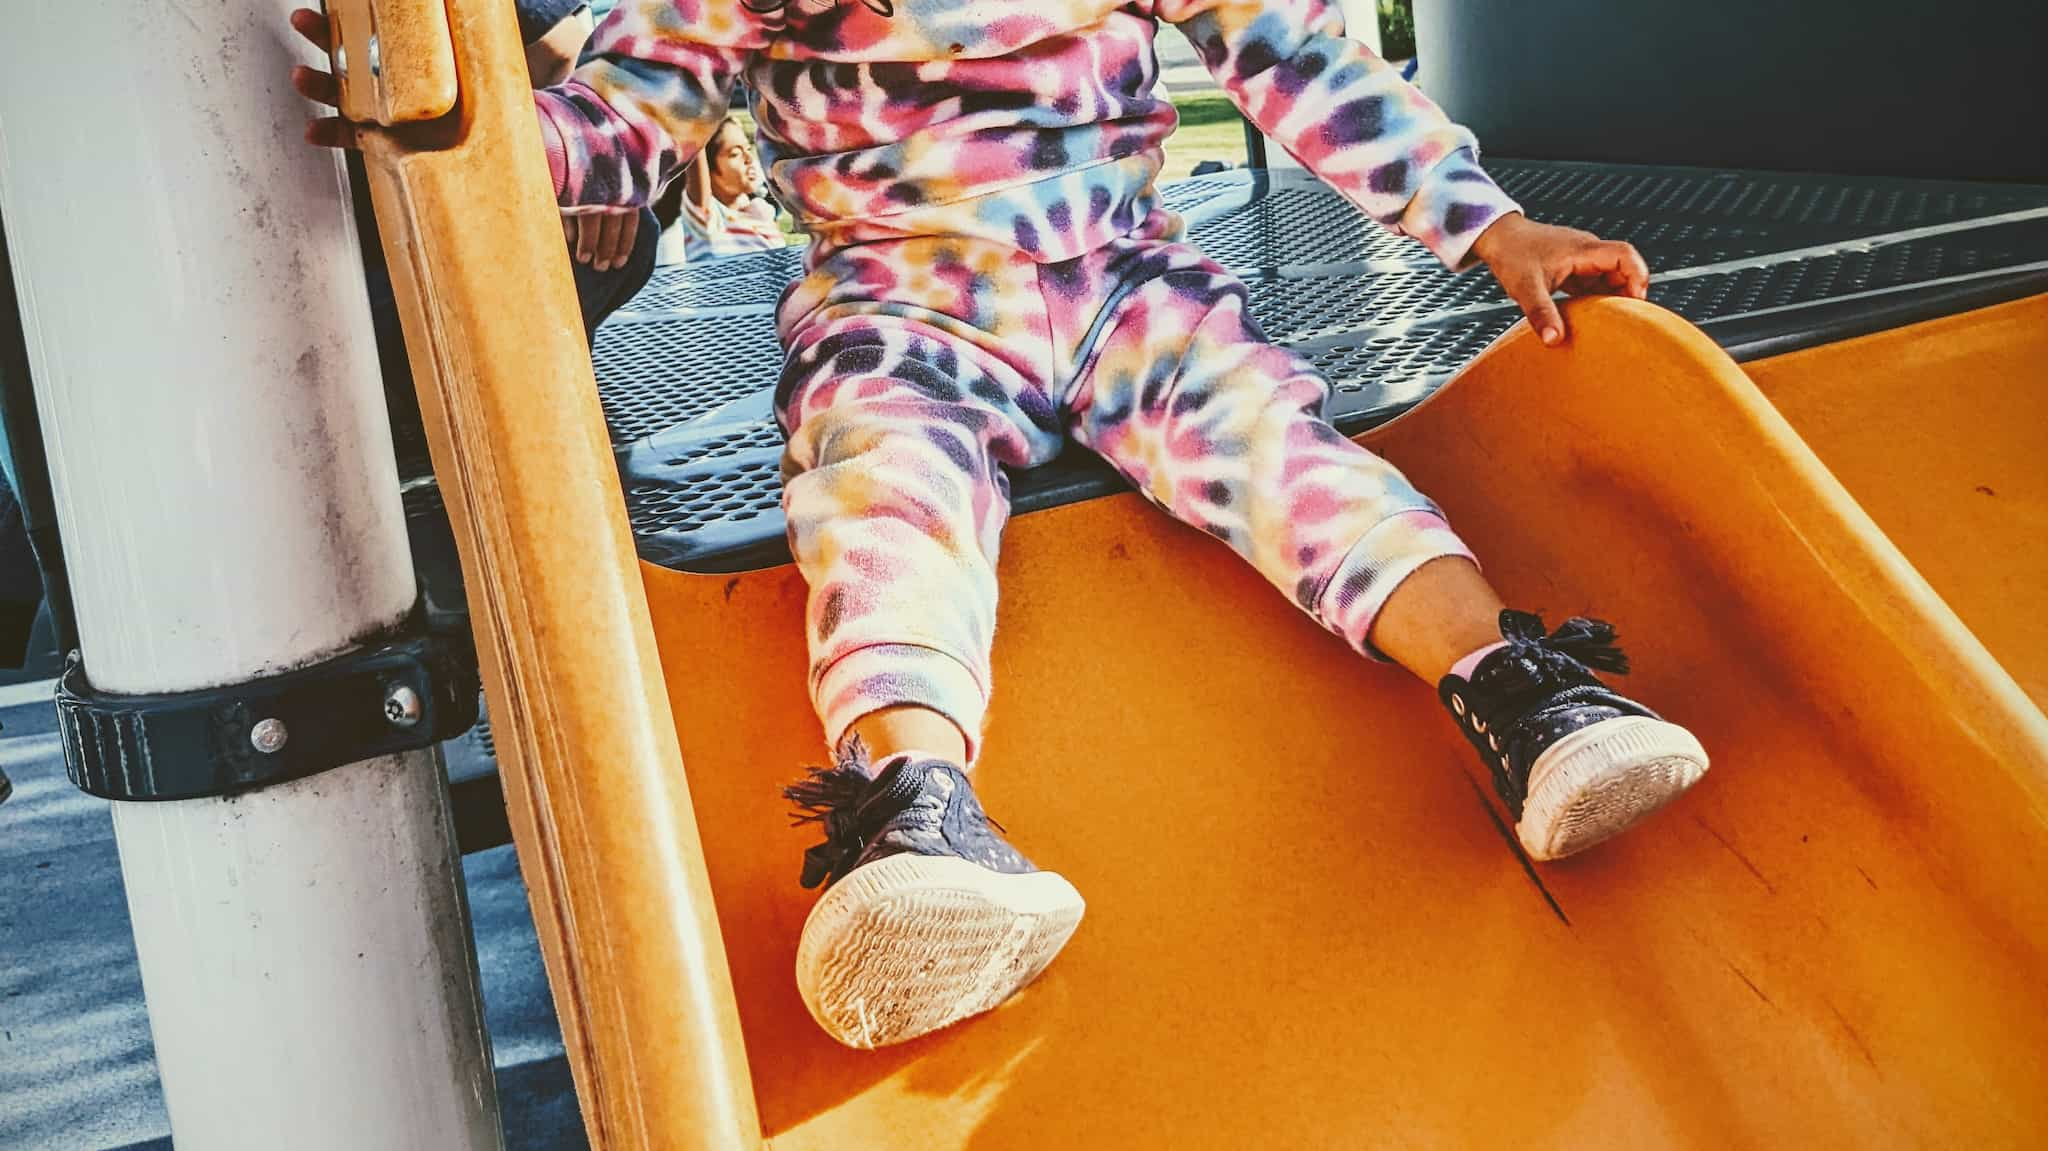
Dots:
(1575, 761)
(929, 916)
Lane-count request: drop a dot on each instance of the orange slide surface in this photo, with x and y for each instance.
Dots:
(1940, 431)
(1308, 927)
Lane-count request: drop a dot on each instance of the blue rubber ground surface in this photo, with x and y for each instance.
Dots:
(77, 1070)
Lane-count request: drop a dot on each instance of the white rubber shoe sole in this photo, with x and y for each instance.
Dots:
(912, 943)
(1602, 780)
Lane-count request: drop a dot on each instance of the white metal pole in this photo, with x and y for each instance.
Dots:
(199, 336)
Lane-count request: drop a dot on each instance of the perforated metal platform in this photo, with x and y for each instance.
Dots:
(1764, 262)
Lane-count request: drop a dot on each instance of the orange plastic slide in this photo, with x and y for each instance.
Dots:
(1940, 431)
(1308, 927)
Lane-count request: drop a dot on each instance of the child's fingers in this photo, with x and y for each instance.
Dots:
(314, 27)
(1609, 262)
(316, 86)
(607, 241)
(1601, 284)
(1634, 272)
(1636, 287)
(622, 244)
(1548, 321)
(586, 238)
(1531, 292)
(622, 239)
(331, 132)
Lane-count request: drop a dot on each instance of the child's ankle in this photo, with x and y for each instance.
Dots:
(1464, 668)
(896, 732)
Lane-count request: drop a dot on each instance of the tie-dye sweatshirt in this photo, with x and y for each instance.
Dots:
(1029, 122)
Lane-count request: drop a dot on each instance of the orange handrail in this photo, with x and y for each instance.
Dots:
(600, 810)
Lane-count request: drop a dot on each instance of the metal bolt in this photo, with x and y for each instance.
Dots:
(402, 706)
(376, 58)
(340, 61)
(268, 736)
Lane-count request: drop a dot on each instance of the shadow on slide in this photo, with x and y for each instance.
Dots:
(1308, 927)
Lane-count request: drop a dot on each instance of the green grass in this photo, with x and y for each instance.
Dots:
(1397, 29)
(1210, 129)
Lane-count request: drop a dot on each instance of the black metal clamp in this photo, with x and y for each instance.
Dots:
(408, 692)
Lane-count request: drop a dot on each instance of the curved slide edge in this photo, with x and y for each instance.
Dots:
(1645, 403)
(1936, 429)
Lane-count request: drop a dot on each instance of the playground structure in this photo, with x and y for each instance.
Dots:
(1826, 560)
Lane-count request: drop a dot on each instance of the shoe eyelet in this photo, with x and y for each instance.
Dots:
(1478, 724)
(1493, 743)
(1458, 705)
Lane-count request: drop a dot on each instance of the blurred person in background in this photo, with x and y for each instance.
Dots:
(717, 208)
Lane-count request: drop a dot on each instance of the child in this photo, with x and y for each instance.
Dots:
(992, 275)
(716, 206)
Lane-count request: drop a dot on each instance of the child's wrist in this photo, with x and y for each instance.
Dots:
(1501, 232)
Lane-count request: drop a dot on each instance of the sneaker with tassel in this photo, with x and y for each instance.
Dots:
(1575, 762)
(929, 915)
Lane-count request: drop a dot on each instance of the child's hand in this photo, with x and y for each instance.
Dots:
(318, 86)
(604, 240)
(321, 88)
(1532, 260)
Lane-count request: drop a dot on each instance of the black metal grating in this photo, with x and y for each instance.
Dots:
(653, 375)
(1372, 311)
(1675, 243)
(1196, 198)
(1297, 225)
(1685, 217)
(735, 495)
(1381, 372)
(750, 440)
(1294, 309)
(1704, 299)
(743, 280)
(1814, 203)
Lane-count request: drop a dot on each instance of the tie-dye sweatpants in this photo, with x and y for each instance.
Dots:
(918, 369)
